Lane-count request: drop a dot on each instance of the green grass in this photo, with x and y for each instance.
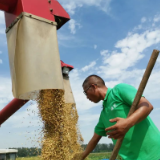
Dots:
(99, 156)
(92, 156)
(28, 158)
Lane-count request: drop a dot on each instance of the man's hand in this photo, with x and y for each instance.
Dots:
(91, 145)
(78, 156)
(123, 125)
(119, 129)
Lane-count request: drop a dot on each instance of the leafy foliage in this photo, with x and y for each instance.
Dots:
(101, 151)
(28, 152)
(101, 147)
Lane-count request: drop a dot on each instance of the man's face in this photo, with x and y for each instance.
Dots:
(92, 93)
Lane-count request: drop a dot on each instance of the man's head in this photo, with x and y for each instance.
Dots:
(93, 86)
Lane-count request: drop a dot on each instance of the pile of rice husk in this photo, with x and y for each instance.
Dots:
(62, 139)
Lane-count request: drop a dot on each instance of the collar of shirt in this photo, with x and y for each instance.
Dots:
(108, 91)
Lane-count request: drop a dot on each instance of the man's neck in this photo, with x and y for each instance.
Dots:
(103, 92)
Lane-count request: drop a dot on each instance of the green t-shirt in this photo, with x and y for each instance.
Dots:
(142, 141)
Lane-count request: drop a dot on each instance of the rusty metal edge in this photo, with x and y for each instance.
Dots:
(30, 16)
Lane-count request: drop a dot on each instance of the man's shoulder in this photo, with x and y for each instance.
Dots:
(121, 88)
(121, 85)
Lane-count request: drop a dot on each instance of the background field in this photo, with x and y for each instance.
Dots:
(92, 156)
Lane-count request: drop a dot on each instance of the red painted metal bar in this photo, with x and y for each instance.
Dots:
(10, 109)
(4, 7)
(66, 65)
(7, 5)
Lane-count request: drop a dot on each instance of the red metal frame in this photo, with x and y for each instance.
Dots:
(7, 5)
(47, 9)
(10, 109)
(66, 65)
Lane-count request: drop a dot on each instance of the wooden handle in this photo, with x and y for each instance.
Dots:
(137, 97)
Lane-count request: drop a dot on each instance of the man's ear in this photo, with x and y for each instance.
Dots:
(94, 86)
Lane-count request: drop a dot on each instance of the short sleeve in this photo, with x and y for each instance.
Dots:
(126, 93)
(100, 129)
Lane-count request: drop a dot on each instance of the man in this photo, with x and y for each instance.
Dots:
(142, 137)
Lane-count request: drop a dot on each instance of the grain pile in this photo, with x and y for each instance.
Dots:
(62, 139)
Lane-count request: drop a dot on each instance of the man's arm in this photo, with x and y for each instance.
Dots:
(123, 125)
(91, 145)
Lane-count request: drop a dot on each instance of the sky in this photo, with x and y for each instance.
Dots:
(113, 39)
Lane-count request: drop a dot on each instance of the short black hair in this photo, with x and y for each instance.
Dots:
(94, 79)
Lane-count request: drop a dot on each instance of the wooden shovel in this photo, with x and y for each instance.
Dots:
(137, 97)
